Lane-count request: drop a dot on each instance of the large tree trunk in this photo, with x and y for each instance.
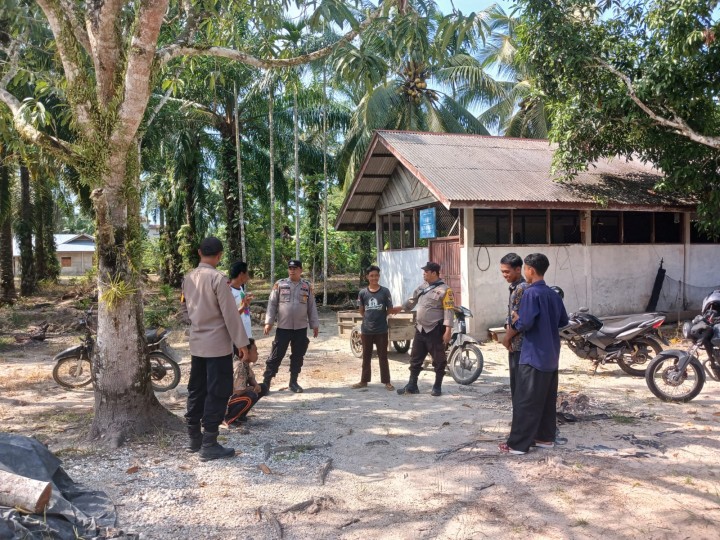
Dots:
(171, 272)
(24, 229)
(271, 128)
(296, 145)
(46, 263)
(125, 403)
(7, 276)
(233, 243)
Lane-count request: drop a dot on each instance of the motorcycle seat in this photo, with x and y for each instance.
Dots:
(154, 335)
(615, 328)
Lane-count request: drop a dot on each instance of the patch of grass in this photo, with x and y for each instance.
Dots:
(6, 342)
(623, 419)
(580, 522)
(70, 417)
(74, 452)
(689, 481)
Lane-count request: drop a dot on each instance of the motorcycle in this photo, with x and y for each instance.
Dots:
(73, 368)
(676, 375)
(465, 360)
(631, 342)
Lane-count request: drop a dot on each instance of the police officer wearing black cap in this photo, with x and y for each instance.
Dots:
(292, 302)
(433, 328)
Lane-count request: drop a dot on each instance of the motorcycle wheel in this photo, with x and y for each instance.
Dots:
(356, 343)
(635, 362)
(658, 378)
(402, 346)
(466, 364)
(164, 372)
(72, 372)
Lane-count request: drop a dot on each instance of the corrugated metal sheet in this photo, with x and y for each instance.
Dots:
(473, 170)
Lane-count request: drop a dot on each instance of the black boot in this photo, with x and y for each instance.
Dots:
(411, 387)
(195, 438)
(294, 386)
(437, 387)
(266, 382)
(211, 449)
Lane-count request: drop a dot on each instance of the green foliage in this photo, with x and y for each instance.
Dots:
(152, 256)
(160, 308)
(590, 60)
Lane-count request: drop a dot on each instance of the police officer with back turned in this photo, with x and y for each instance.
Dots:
(292, 302)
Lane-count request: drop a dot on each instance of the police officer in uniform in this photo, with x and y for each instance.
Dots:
(433, 329)
(292, 302)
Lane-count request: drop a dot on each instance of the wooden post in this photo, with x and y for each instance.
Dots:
(19, 491)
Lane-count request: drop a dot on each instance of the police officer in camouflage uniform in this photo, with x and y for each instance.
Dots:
(292, 302)
(433, 328)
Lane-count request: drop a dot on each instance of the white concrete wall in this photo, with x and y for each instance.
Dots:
(608, 279)
(81, 263)
(400, 271)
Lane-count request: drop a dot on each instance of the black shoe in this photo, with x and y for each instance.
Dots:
(194, 438)
(409, 388)
(436, 390)
(211, 449)
(294, 386)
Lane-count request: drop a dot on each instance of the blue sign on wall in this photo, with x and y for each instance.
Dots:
(427, 223)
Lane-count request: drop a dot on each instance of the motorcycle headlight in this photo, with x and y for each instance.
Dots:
(686, 329)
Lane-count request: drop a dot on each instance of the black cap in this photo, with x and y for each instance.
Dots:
(294, 263)
(210, 246)
(432, 267)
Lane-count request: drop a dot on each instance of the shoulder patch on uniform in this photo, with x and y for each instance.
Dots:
(448, 299)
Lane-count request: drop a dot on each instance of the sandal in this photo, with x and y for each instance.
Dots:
(543, 444)
(359, 385)
(389, 387)
(504, 448)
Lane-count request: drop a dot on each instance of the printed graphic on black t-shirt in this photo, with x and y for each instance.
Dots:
(376, 306)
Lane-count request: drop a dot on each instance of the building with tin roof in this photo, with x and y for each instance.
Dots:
(467, 200)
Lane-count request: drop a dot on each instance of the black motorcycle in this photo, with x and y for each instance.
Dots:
(676, 375)
(631, 342)
(73, 367)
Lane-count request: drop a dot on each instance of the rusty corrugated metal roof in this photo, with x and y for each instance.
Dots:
(487, 171)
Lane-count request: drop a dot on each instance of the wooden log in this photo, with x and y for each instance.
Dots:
(22, 492)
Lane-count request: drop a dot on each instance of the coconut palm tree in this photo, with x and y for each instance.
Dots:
(412, 78)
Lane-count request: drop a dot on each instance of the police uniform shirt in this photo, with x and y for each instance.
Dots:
(210, 307)
(293, 303)
(433, 306)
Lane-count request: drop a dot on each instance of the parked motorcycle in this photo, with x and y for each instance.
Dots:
(676, 375)
(73, 366)
(465, 360)
(631, 342)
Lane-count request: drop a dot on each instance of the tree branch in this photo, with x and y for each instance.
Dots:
(139, 70)
(67, 46)
(31, 134)
(166, 54)
(101, 20)
(677, 124)
(73, 20)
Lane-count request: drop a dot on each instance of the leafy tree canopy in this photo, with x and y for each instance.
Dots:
(633, 78)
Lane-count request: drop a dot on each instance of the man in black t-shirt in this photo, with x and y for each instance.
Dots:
(375, 301)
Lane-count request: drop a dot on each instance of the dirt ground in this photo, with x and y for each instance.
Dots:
(335, 462)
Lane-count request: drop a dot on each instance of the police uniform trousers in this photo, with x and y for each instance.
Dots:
(209, 387)
(534, 404)
(298, 342)
(426, 343)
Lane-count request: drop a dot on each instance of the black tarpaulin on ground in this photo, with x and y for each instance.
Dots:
(73, 512)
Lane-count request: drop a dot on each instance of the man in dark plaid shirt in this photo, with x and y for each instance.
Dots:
(511, 269)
